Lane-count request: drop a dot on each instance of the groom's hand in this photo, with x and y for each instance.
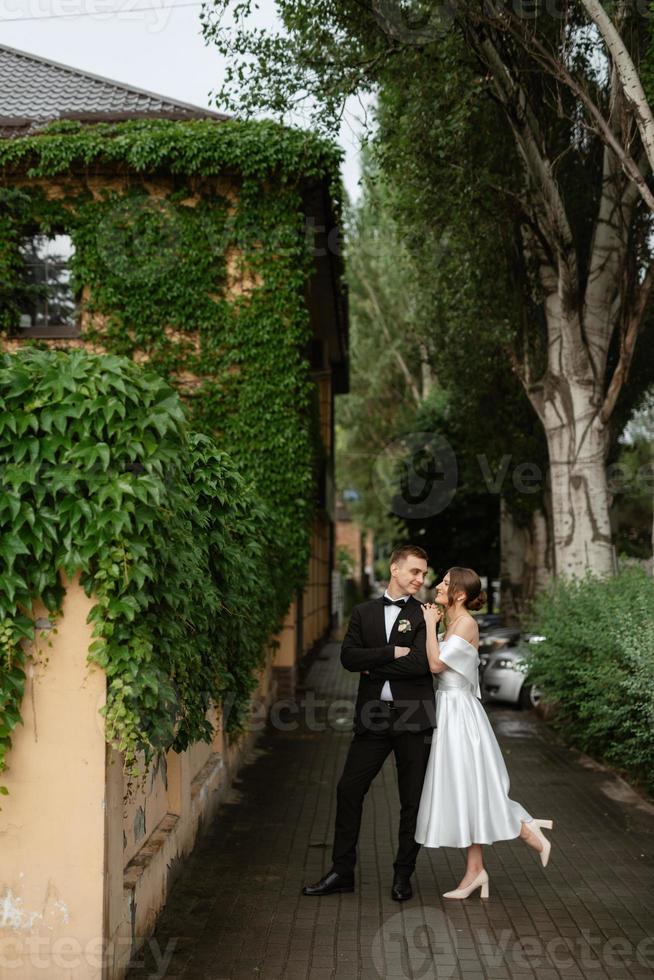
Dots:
(398, 652)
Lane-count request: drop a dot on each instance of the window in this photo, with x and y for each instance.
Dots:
(48, 307)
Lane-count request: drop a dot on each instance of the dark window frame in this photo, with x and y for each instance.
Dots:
(46, 273)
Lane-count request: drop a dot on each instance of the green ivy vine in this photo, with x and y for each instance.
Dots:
(103, 476)
(151, 271)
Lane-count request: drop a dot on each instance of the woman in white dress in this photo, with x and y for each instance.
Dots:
(465, 801)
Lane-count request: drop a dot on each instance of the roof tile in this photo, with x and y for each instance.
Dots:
(34, 91)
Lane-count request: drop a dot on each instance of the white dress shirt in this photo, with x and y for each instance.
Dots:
(390, 615)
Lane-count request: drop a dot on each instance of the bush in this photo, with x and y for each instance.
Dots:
(102, 476)
(597, 667)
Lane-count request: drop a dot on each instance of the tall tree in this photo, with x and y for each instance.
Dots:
(436, 430)
(388, 375)
(576, 182)
(588, 254)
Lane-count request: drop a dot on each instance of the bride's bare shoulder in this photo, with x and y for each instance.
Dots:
(467, 628)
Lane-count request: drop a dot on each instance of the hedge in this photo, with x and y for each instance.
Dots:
(596, 666)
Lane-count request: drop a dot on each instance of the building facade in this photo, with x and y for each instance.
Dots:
(207, 251)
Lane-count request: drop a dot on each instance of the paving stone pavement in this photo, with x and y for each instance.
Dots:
(236, 910)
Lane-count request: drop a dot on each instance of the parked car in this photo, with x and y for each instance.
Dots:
(504, 672)
(499, 638)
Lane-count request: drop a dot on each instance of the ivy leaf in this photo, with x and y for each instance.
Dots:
(10, 502)
(11, 546)
(103, 451)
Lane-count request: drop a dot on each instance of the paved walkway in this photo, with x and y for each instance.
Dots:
(237, 912)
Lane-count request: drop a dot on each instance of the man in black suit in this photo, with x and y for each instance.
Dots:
(395, 712)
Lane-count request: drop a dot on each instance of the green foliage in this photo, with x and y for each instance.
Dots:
(467, 99)
(102, 476)
(597, 666)
(12, 291)
(153, 270)
(323, 53)
(631, 480)
(193, 555)
(422, 362)
(384, 350)
(345, 561)
(254, 150)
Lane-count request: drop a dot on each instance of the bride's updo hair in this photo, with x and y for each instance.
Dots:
(466, 580)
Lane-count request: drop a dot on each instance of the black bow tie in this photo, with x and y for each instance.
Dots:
(394, 602)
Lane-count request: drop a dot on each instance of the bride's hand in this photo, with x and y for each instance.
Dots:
(432, 613)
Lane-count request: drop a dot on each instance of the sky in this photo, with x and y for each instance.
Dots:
(160, 49)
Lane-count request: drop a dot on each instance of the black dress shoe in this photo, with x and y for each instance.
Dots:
(401, 889)
(332, 882)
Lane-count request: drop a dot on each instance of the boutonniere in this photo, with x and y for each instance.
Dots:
(404, 626)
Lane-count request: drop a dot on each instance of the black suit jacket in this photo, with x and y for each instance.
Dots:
(365, 648)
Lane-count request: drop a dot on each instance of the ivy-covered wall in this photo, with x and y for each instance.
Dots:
(162, 214)
(191, 255)
(103, 476)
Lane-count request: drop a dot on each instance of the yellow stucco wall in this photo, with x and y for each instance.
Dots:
(52, 823)
(85, 859)
(78, 894)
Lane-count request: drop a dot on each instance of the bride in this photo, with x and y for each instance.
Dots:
(465, 800)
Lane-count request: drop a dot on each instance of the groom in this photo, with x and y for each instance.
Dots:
(386, 644)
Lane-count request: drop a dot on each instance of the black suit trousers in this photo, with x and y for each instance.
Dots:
(367, 754)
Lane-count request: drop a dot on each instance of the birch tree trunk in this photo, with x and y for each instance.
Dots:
(578, 443)
(525, 562)
(570, 405)
(629, 75)
(576, 393)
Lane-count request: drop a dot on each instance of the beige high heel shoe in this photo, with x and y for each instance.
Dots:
(534, 827)
(481, 881)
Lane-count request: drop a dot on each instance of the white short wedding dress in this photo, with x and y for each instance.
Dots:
(465, 795)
